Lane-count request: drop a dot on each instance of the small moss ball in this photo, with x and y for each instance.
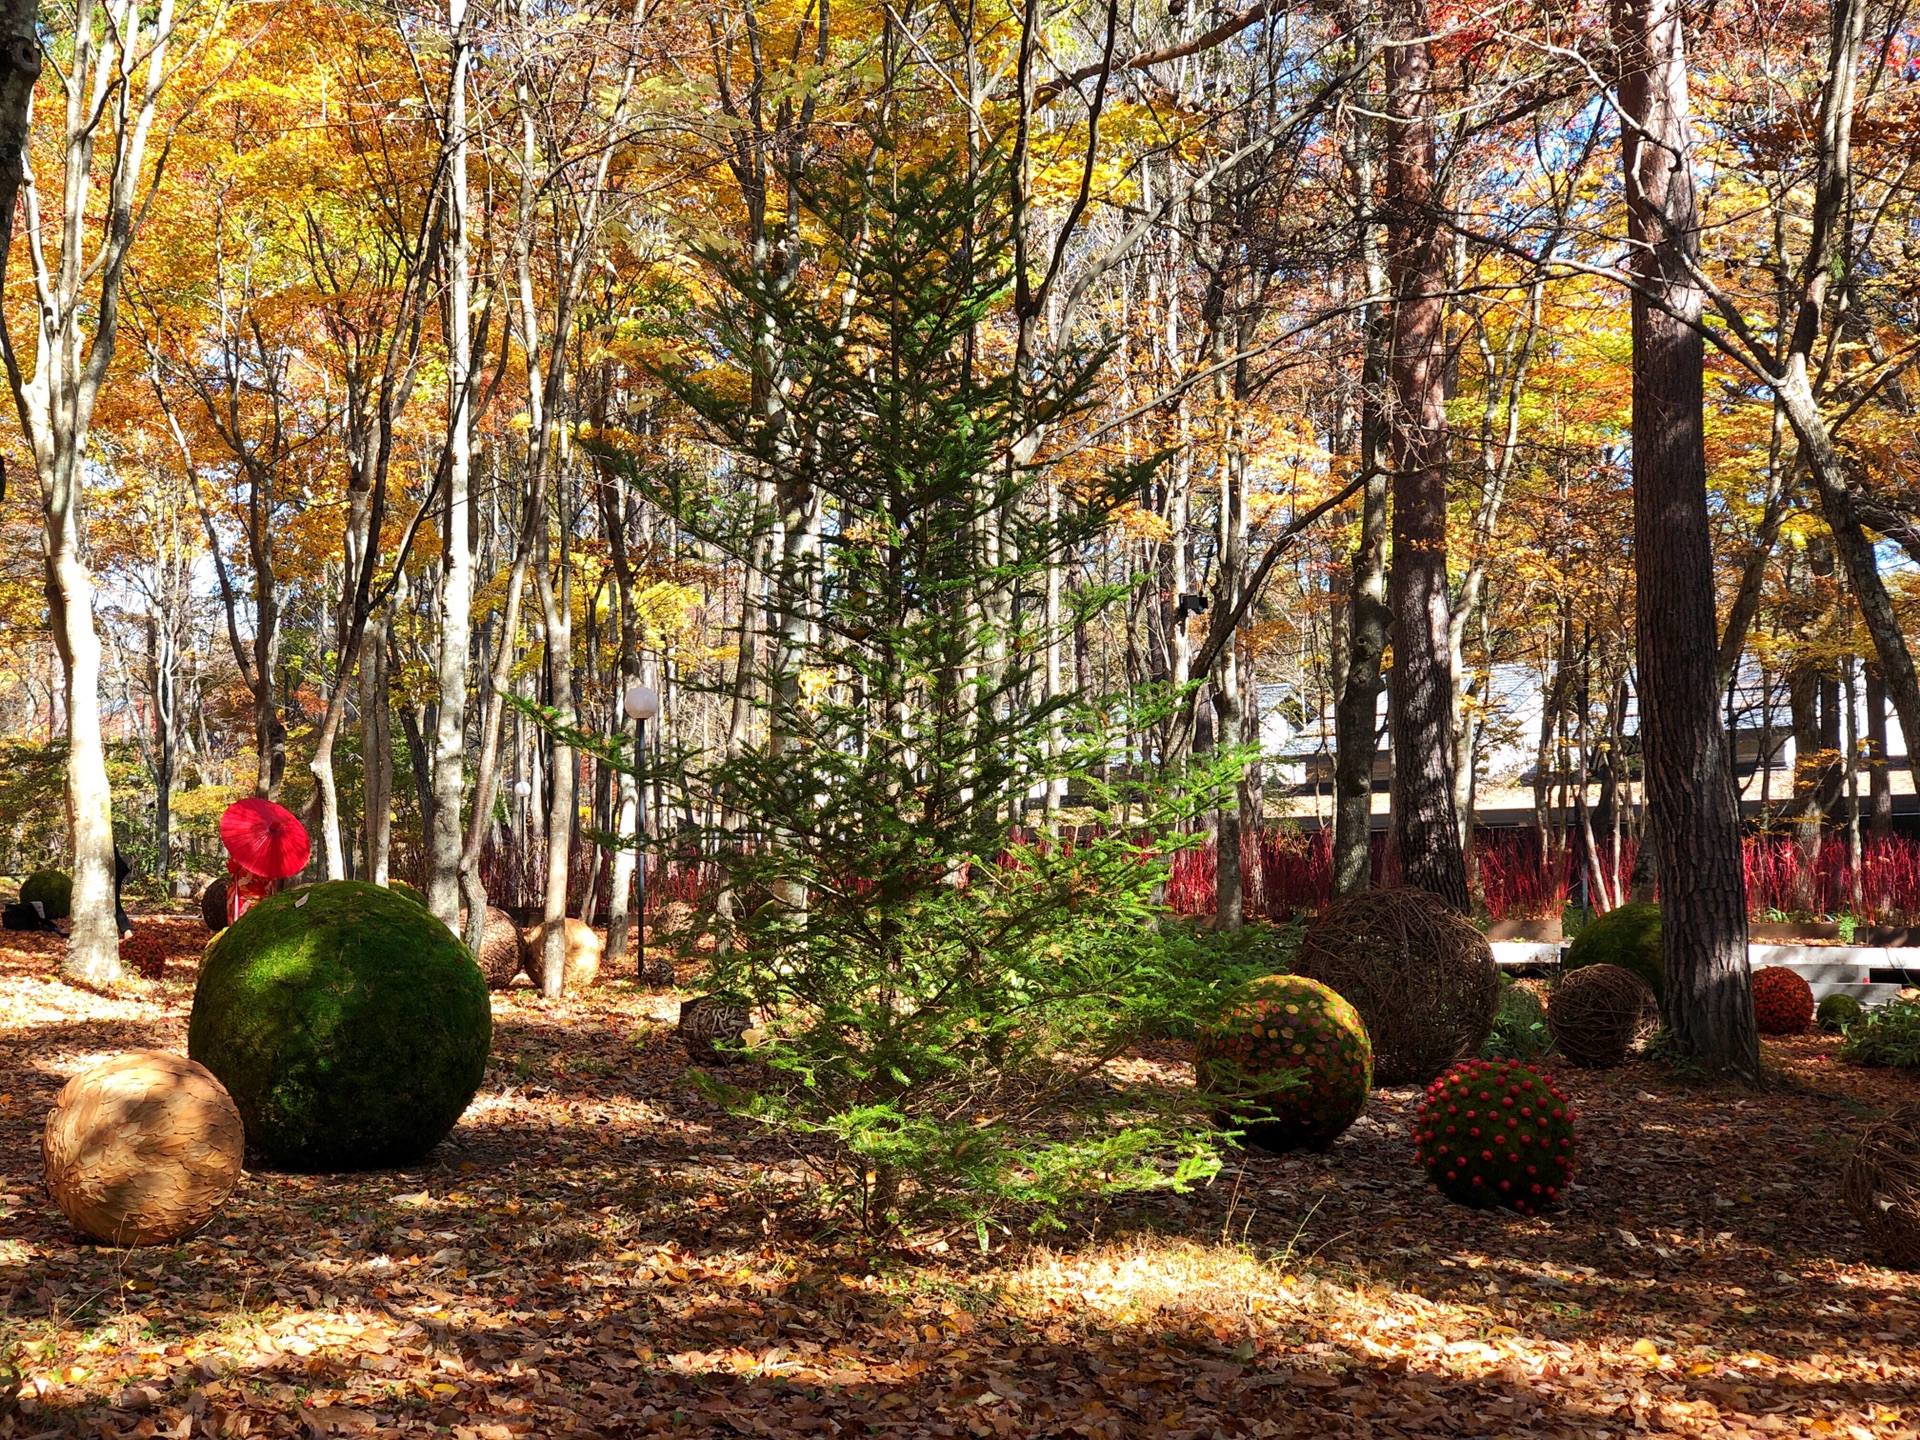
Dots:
(1497, 1133)
(1836, 1012)
(1782, 1001)
(142, 1148)
(1289, 1062)
(349, 1025)
(1628, 937)
(52, 890)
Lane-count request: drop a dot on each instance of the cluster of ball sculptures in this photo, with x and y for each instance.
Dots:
(339, 1026)
(1396, 987)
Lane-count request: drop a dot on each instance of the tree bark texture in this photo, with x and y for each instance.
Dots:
(1419, 685)
(1695, 817)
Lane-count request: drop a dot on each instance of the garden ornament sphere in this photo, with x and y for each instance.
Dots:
(641, 703)
(142, 1148)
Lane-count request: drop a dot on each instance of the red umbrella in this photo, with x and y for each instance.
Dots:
(265, 838)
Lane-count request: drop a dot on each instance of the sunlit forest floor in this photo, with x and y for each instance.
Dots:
(598, 1251)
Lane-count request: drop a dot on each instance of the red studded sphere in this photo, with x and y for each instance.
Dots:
(1289, 1063)
(1782, 1001)
(1497, 1133)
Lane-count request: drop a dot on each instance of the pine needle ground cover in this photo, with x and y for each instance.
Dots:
(598, 1251)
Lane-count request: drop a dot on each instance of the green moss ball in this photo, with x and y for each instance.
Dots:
(1836, 1012)
(53, 889)
(349, 1025)
(1289, 1062)
(1628, 937)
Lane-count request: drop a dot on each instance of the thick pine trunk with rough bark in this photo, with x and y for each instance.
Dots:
(1420, 684)
(1695, 816)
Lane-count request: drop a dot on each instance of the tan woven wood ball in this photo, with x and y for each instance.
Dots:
(1419, 972)
(1881, 1187)
(503, 949)
(142, 1149)
(585, 950)
(1594, 1013)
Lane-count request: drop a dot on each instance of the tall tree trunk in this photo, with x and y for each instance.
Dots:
(445, 828)
(1879, 784)
(557, 621)
(1694, 813)
(376, 753)
(1420, 687)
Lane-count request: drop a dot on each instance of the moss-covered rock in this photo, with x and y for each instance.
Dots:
(1628, 937)
(52, 890)
(1289, 1062)
(407, 892)
(349, 1025)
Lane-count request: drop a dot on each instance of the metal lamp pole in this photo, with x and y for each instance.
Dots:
(641, 705)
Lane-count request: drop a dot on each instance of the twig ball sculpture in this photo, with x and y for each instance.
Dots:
(1782, 1001)
(1595, 1012)
(1628, 936)
(213, 906)
(142, 1149)
(1836, 1012)
(350, 1026)
(1881, 1187)
(1290, 1063)
(1497, 1133)
(1420, 974)
(503, 949)
(657, 971)
(51, 890)
(707, 1018)
(584, 951)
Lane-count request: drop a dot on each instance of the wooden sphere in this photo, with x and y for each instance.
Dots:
(503, 949)
(1881, 1187)
(143, 1148)
(584, 952)
(213, 906)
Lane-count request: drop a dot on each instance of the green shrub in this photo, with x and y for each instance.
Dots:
(1288, 1062)
(52, 889)
(350, 1026)
(1497, 1133)
(1628, 937)
(1837, 1012)
(1887, 1035)
(1519, 1025)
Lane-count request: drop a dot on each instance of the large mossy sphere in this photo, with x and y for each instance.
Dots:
(1628, 937)
(349, 1025)
(52, 890)
(1290, 1062)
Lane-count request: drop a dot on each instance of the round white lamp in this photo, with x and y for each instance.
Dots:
(522, 788)
(641, 703)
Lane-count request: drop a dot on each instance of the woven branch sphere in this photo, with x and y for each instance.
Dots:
(1882, 1187)
(503, 949)
(1290, 1061)
(584, 948)
(1420, 974)
(707, 1018)
(213, 906)
(1595, 1012)
(142, 1149)
(1497, 1133)
(1782, 1001)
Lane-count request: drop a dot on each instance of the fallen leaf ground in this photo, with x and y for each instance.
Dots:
(596, 1251)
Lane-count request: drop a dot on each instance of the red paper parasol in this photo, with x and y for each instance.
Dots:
(265, 838)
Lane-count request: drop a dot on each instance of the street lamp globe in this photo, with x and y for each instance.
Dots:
(522, 788)
(641, 703)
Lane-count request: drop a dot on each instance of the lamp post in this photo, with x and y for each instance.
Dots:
(641, 705)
